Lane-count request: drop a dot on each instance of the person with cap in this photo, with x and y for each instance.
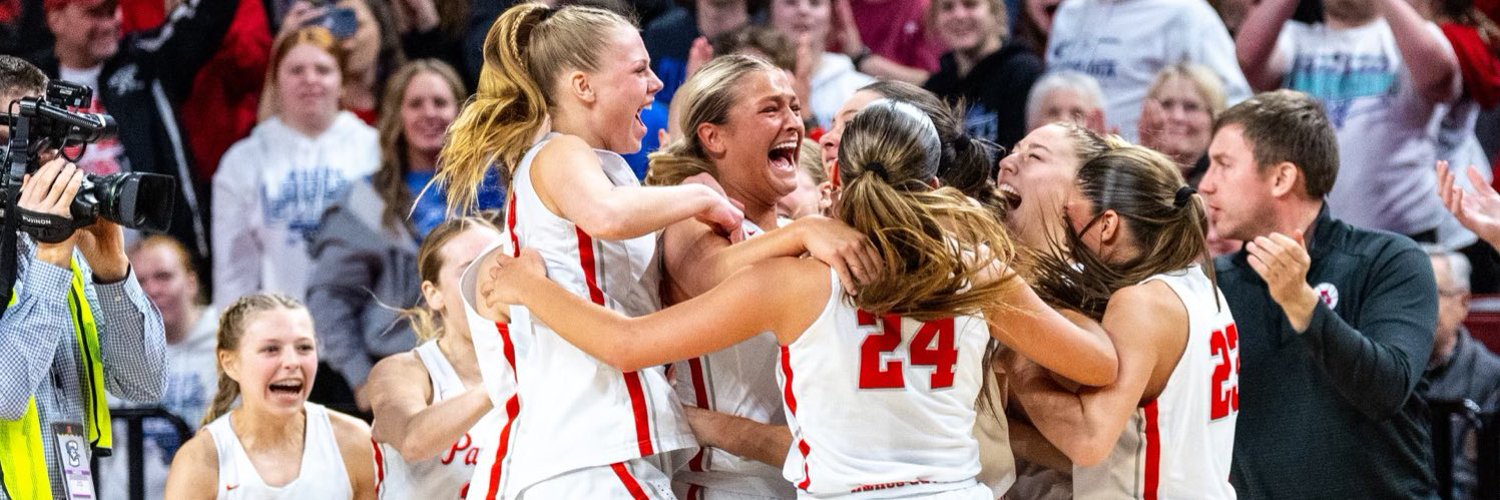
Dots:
(139, 79)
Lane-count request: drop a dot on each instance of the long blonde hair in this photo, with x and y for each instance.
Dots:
(938, 247)
(527, 48)
(706, 97)
(231, 331)
(430, 263)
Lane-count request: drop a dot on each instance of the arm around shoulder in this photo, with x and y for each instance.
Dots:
(1025, 323)
(1086, 425)
(569, 179)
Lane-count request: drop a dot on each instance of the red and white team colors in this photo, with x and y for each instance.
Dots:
(1180, 444)
(445, 477)
(883, 407)
(571, 411)
(322, 475)
(740, 381)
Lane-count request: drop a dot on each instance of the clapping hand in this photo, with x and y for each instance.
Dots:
(1479, 211)
(1283, 262)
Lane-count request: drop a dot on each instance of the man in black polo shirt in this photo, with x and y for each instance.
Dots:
(1335, 321)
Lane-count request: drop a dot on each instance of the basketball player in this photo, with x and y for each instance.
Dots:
(576, 428)
(880, 387)
(743, 128)
(275, 444)
(429, 436)
(1165, 429)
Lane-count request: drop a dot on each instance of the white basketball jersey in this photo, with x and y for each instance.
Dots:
(446, 476)
(882, 406)
(1179, 445)
(322, 474)
(570, 410)
(740, 381)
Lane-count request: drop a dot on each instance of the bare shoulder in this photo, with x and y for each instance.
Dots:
(794, 290)
(1153, 296)
(796, 272)
(1150, 307)
(397, 367)
(195, 468)
(199, 449)
(565, 147)
(349, 430)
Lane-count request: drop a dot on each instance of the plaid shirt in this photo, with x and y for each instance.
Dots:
(40, 354)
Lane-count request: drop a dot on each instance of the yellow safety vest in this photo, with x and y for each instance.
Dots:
(23, 459)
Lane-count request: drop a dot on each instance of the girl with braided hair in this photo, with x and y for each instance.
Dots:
(275, 444)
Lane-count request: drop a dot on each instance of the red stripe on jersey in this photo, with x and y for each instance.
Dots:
(632, 379)
(631, 485)
(700, 397)
(1153, 452)
(638, 406)
(510, 222)
(379, 467)
(512, 410)
(696, 464)
(700, 384)
(791, 404)
(695, 492)
(586, 260)
(786, 370)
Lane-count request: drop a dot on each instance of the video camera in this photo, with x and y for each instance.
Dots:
(42, 125)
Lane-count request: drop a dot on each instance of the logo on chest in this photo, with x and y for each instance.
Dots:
(1328, 293)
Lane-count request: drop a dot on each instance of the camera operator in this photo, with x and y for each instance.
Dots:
(140, 79)
(77, 325)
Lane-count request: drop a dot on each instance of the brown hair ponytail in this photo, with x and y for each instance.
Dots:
(1166, 218)
(938, 247)
(231, 331)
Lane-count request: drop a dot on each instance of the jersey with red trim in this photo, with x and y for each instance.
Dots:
(322, 475)
(741, 381)
(496, 355)
(882, 406)
(1180, 444)
(570, 410)
(447, 475)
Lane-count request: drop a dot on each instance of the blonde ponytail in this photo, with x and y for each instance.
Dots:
(527, 48)
(500, 120)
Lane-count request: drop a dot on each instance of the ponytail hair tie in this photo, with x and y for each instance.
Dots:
(1184, 195)
(547, 13)
(962, 143)
(879, 170)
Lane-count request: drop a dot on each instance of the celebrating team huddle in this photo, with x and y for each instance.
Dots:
(686, 339)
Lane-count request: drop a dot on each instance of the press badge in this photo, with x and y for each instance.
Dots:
(72, 455)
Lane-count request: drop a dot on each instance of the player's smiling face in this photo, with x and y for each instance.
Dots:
(276, 361)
